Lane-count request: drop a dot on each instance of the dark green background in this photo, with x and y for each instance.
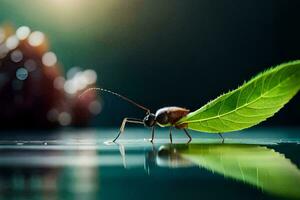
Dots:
(166, 52)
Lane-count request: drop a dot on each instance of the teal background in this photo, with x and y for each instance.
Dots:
(165, 52)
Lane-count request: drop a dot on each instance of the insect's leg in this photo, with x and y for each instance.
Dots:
(187, 134)
(171, 134)
(221, 137)
(125, 120)
(152, 137)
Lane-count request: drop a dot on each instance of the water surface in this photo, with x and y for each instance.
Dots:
(83, 164)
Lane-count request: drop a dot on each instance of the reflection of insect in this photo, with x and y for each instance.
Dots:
(167, 116)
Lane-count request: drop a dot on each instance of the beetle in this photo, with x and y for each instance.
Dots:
(167, 116)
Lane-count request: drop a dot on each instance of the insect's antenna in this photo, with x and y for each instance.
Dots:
(116, 94)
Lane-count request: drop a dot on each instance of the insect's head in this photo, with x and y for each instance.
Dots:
(149, 120)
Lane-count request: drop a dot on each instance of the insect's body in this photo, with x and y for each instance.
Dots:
(168, 116)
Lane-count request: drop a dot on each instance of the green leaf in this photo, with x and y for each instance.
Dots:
(250, 104)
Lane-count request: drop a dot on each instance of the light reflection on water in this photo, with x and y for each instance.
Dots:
(256, 165)
(90, 168)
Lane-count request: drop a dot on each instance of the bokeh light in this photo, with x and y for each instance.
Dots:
(12, 42)
(23, 32)
(30, 65)
(2, 35)
(71, 72)
(79, 80)
(49, 59)
(3, 50)
(22, 74)
(95, 107)
(70, 87)
(59, 82)
(64, 118)
(16, 56)
(32, 79)
(90, 75)
(36, 38)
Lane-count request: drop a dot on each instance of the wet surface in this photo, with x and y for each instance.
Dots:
(83, 164)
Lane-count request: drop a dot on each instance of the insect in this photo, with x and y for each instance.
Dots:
(167, 116)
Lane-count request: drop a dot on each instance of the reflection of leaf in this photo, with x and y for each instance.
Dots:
(256, 165)
(250, 104)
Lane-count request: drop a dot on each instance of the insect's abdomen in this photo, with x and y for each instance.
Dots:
(170, 115)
